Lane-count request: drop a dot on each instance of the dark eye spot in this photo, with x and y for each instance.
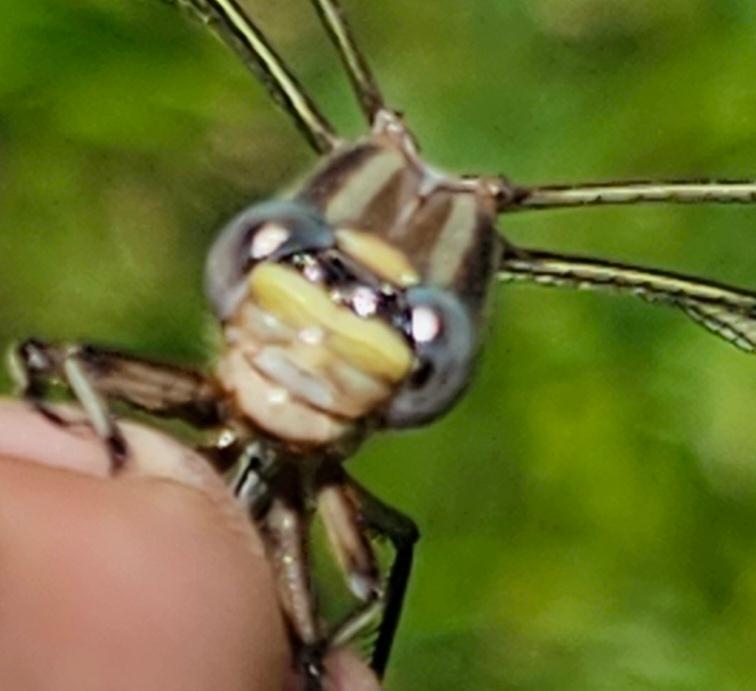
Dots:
(336, 271)
(443, 336)
(422, 374)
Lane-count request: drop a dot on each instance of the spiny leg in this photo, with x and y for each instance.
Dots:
(230, 21)
(403, 534)
(366, 88)
(349, 510)
(94, 375)
(28, 366)
(39, 363)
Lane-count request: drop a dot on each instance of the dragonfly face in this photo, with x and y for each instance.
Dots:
(356, 302)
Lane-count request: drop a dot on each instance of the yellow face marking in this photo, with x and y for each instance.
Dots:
(379, 256)
(369, 344)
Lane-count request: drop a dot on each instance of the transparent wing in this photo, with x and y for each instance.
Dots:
(629, 192)
(237, 29)
(358, 70)
(726, 311)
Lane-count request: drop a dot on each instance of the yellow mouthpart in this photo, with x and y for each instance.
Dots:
(367, 343)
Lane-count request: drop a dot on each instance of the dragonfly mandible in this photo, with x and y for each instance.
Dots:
(368, 282)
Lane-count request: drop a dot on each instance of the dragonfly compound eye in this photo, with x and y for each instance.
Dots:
(444, 337)
(265, 232)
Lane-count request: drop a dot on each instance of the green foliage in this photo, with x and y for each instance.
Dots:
(588, 511)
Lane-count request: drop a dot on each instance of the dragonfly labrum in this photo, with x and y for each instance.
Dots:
(353, 304)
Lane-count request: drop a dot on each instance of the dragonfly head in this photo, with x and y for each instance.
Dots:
(328, 322)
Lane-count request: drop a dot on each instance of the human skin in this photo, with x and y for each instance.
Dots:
(150, 580)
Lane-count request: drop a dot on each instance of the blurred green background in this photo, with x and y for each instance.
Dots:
(589, 511)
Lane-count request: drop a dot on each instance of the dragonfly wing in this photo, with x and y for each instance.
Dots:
(726, 311)
(740, 330)
(235, 27)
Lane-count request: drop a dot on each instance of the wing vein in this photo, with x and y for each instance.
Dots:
(723, 310)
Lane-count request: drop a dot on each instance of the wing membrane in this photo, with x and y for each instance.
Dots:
(334, 19)
(726, 311)
(235, 27)
(631, 192)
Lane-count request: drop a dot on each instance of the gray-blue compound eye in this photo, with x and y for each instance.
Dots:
(265, 232)
(445, 338)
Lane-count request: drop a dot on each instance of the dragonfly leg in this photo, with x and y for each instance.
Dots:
(342, 520)
(35, 364)
(348, 510)
(285, 526)
(96, 375)
(254, 477)
(27, 366)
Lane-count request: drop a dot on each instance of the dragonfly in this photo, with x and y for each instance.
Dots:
(352, 305)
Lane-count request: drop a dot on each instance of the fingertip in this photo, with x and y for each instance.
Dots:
(165, 535)
(26, 435)
(183, 488)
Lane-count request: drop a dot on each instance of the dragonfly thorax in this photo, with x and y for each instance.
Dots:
(330, 321)
(444, 225)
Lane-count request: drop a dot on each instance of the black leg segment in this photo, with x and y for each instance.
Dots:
(402, 532)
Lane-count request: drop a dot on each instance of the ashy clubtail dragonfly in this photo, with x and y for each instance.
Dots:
(354, 305)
